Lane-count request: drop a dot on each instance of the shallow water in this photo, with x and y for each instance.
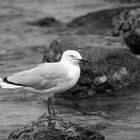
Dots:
(116, 117)
(15, 115)
(119, 116)
(65, 10)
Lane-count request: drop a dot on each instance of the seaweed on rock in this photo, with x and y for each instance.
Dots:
(57, 129)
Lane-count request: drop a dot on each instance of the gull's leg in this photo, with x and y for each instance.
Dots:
(52, 107)
(49, 111)
(49, 107)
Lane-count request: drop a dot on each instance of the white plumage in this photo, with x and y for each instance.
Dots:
(48, 77)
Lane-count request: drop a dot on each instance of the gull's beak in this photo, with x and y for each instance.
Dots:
(83, 60)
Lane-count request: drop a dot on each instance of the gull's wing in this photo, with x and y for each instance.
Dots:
(42, 77)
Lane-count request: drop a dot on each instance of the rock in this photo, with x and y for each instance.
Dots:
(120, 74)
(124, 1)
(100, 80)
(57, 129)
(112, 67)
(127, 25)
(98, 22)
(95, 23)
(46, 22)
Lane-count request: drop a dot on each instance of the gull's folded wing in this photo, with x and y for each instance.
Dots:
(43, 76)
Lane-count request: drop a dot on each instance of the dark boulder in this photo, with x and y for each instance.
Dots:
(127, 25)
(124, 1)
(98, 22)
(46, 22)
(112, 67)
(58, 129)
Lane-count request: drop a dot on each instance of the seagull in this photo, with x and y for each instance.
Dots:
(48, 78)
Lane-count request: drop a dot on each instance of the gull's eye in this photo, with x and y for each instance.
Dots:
(72, 56)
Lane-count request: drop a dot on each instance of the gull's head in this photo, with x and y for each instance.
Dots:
(71, 56)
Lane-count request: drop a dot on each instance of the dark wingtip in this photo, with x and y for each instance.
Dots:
(5, 79)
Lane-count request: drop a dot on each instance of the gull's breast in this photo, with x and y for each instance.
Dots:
(73, 75)
(64, 83)
(69, 81)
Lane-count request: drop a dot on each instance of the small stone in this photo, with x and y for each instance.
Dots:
(91, 92)
(100, 80)
(119, 75)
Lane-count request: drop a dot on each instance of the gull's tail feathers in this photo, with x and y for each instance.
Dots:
(4, 84)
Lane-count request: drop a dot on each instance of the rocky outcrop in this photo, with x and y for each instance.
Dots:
(112, 67)
(98, 22)
(127, 25)
(124, 1)
(57, 129)
(46, 22)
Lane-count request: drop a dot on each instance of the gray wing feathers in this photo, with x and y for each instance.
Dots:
(44, 76)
